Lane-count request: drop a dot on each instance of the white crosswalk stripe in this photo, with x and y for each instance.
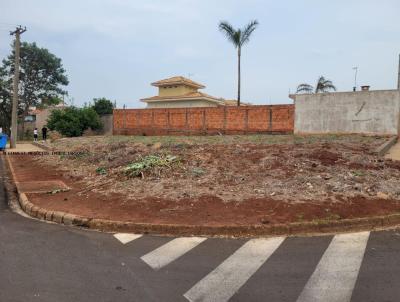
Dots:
(171, 251)
(125, 238)
(335, 275)
(222, 283)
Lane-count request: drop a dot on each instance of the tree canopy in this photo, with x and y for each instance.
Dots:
(238, 37)
(42, 78)
(323, 85)
(103, 106)
(48, 102)
(5, 104)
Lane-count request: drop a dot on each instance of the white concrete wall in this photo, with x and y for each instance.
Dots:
(369, 112)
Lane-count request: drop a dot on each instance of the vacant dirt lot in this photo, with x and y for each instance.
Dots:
(223, 179)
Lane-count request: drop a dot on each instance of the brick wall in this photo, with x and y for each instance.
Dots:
(213, 120)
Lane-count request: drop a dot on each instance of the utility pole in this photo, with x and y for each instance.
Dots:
(14, 114)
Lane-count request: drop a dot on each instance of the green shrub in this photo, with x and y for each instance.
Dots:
(73, 121)
(103, 106)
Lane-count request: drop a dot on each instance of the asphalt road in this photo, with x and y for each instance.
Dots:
(53, 263)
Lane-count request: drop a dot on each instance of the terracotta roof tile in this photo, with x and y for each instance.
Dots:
(191, 95)
(177, 80)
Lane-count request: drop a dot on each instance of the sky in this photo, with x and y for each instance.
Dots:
(116, 48)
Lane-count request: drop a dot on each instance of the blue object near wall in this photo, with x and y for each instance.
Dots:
(3, 141)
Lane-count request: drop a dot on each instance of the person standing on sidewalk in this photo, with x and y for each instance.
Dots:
(35, 135)
(44, 133)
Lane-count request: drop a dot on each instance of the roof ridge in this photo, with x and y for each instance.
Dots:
(177, 80)
(189, 95)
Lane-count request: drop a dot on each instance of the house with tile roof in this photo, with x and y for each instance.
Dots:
(181, 92)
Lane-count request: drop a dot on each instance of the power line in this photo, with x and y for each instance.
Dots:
(9, 24)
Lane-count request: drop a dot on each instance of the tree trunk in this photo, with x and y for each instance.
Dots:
(24, 114)
(238, 98)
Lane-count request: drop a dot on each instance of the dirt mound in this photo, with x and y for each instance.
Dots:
(294, 169)
(215, 182)
(325, 157)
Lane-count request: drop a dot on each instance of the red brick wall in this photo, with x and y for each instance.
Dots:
(226, 120)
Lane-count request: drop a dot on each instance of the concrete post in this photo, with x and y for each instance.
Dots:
(14, 113)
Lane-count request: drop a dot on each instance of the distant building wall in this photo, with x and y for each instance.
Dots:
(369, 112)
(28, 131)
(226, 120)
(181, 104)
(175, 90)
(42, 116)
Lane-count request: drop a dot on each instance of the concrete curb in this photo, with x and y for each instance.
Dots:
(42, 213)
(299, 228)
(49, 215)
(305, 228)
(42, 146)
(384, 148)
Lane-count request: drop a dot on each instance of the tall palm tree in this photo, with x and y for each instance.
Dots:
(323, 85)
(238, 37)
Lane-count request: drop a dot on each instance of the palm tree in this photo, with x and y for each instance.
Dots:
(238, 37)
(323, 85)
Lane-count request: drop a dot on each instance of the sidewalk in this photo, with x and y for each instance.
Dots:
(23, 148)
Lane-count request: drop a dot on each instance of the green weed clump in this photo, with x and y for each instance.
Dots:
(149, 162)
(101, 171)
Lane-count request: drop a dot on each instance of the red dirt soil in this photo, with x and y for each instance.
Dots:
(205, 210)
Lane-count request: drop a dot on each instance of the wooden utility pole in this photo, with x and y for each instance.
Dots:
(14, 114)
